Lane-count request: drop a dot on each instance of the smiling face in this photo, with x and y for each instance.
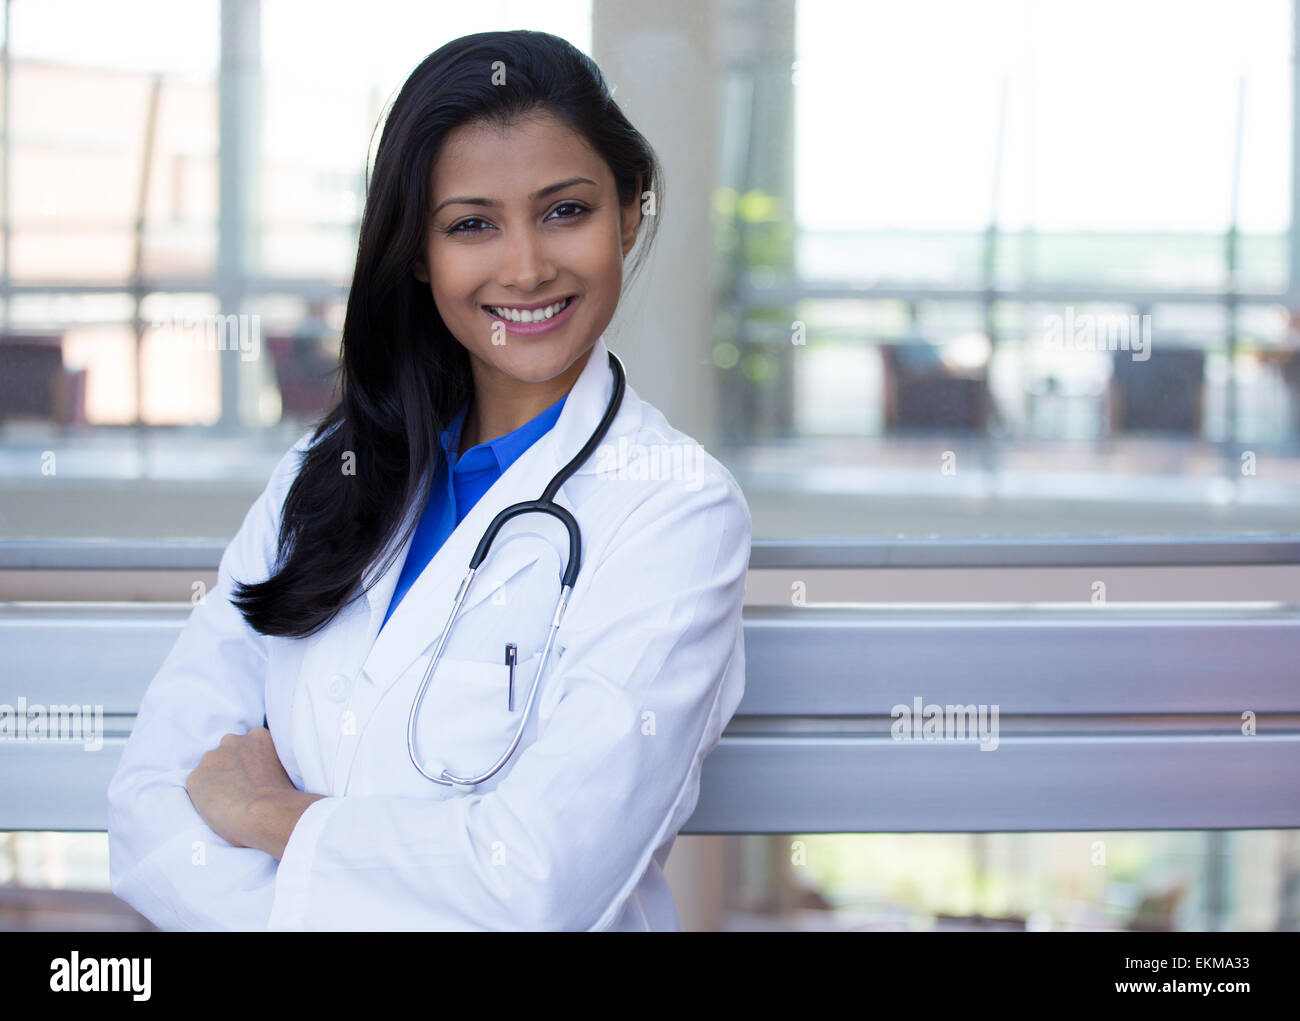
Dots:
(522, 217)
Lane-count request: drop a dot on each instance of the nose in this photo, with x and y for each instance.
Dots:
(527, 263)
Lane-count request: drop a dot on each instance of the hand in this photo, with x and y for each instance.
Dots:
(231, 777)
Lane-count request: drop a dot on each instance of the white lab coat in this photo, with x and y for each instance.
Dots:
(574, 832)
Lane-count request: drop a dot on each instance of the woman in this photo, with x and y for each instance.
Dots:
(506, 179)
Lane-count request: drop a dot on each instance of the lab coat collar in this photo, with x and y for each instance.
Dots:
(502, 450)
(418, 620)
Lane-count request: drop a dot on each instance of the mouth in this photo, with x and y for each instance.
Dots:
(533, 322)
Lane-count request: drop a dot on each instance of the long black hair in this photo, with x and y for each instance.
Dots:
(404, 376)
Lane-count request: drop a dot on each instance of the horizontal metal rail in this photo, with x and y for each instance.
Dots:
(767, 554)
(1117, 717)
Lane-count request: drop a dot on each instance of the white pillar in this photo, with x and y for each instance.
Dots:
(239, 172)
(660, 59)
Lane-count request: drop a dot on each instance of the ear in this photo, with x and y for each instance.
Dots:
(419, 272)
(632, 219)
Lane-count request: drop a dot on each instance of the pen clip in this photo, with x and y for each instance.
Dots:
(511, 654)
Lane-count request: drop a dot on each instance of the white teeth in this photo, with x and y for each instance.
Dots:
(519, 316)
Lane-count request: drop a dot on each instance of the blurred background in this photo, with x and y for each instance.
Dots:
(943, 269)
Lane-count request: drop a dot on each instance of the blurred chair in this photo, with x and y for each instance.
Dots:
(1161, 394)
(304, 372)
(1288, 364)
(921, 392)
(35, 384)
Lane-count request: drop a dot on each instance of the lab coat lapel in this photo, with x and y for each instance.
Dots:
(420, 617)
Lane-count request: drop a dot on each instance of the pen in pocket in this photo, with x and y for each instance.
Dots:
(511, 652)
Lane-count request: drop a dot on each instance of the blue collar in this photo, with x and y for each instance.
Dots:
(501, 453)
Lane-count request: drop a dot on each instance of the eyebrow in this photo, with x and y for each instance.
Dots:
(539, 194)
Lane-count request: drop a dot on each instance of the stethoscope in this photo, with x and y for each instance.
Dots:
(546, 505)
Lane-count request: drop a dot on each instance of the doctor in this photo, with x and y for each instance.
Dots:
(491, 193)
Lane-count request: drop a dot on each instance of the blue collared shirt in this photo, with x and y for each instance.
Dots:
(454, 495)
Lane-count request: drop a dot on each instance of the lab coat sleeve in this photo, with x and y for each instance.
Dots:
(614, 772)
(164, 860)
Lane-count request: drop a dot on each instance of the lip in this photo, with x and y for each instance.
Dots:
(533, 329)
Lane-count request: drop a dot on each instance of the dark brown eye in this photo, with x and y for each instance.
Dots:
(457, 228)
(571, 205)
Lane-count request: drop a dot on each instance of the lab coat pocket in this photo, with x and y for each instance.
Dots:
(465, 723)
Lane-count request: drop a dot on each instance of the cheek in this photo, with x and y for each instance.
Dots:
(452, 262)
(598, 258)
(610, 271)
(454, 283)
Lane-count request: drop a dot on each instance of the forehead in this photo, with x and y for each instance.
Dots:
(518, 159)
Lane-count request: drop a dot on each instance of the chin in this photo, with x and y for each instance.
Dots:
(536, 363)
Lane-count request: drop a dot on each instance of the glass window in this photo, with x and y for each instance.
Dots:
(1093, 266)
